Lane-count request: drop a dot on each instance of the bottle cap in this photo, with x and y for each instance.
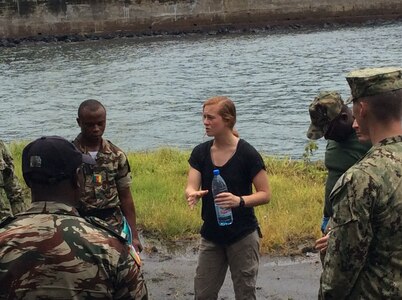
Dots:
(216, 172)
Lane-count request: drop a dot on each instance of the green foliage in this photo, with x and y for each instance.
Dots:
(16, 152)
(309, 150)
(159, 179)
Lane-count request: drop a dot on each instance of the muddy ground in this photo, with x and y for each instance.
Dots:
(170, 272)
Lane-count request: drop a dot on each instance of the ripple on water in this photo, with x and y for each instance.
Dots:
(154, 88)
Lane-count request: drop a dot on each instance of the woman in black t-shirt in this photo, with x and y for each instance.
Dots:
(236, 245)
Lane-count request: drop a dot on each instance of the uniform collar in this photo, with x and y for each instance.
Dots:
(105, 145)
(50, 207)
(390, 140)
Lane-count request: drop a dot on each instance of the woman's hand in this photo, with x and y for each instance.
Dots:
(192, 198)
(227, 200)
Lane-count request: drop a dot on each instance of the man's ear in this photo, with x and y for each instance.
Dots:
(78, 122)
(357, 109)
(364, 108)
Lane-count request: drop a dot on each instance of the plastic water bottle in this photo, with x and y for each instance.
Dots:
(224, 215)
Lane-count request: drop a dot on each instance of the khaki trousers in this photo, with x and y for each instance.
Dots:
(241, 257)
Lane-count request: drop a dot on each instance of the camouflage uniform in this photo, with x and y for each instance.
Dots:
(100, 196)
(364, 255)
(50, 252)
(11, 200)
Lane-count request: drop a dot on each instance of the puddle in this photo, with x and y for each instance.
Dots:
(291, 261)
(155, 248)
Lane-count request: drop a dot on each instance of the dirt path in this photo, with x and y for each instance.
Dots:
(170, 276)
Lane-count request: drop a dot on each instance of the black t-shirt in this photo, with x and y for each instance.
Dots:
(238, 173)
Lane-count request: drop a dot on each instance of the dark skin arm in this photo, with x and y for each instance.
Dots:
(128, 209)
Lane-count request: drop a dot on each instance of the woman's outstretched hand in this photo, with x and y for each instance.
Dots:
(193, 197)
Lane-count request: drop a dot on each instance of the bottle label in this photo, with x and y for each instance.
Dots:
(224, 216)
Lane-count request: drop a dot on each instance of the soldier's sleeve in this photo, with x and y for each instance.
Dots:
(130, 281)
(123, 177)
(11, 185)
(350, 236)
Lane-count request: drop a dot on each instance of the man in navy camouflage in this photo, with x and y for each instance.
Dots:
(11, 200)
(364, 255)
(50, 251)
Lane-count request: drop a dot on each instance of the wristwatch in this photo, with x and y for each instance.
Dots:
(242, 203)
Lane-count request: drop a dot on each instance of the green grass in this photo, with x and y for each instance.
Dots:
(159, 177)
(16, 152)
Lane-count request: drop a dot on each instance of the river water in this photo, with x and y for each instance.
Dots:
(153, 88)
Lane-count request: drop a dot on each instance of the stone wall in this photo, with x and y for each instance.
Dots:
(21, 18)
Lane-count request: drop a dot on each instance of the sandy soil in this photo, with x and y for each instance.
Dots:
(169, 274)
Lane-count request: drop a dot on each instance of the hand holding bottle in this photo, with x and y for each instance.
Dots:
(227, 200)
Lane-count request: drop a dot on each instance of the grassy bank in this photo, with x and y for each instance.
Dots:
(292, 218)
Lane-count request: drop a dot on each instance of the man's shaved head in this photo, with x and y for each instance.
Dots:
(91, 105)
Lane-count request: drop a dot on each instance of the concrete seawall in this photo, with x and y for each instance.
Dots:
(22, 18)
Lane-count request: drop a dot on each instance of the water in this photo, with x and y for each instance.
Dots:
(224, 216)
(153, 88)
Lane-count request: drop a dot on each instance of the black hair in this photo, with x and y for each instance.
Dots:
(91, 104)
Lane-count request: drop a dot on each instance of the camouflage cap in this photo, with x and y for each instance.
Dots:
(324, 108)
(374, 81)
